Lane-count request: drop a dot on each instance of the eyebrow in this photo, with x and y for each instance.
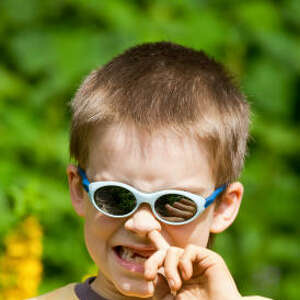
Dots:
(193, 190)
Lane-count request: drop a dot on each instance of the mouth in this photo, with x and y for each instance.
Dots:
(132, 259)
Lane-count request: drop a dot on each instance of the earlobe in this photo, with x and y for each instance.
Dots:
(76, 190)
(226, 211)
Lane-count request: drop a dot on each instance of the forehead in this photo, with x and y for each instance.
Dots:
(127, 154)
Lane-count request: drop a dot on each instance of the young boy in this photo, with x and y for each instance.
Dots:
(159, 135)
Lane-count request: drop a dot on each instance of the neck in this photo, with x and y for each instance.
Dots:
(106, 289)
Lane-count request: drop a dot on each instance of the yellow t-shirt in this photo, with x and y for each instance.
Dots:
(64, 293)
(73, 291)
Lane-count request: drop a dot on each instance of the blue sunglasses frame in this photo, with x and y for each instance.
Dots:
(149, 198)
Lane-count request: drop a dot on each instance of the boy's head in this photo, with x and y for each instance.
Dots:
(159, 116)
(162, 85)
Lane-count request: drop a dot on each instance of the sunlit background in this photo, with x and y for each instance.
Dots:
(47, 47)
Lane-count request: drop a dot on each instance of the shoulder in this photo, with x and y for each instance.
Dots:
(64, 293)
(255, 298)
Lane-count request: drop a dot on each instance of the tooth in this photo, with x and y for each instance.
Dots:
(139, 259)
(129, 255)
(125, 254)
(122, 252)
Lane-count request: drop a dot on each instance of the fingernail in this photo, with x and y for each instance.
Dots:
(171, 283)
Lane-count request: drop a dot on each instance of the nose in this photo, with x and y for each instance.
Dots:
(142, 221)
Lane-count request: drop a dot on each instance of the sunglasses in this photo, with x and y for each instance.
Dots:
(120, 200)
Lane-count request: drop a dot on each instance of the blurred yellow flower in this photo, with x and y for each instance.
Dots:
(92, 271)
(20, 264)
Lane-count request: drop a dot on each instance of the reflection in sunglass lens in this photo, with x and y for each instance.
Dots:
(175, 208)
(115, 200)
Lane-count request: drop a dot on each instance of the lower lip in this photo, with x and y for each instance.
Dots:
(129, 265)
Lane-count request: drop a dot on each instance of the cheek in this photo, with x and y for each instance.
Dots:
(196, 233)
(181, 237)
(99, 231)
(100, 228)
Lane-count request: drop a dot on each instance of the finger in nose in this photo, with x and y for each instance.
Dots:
(142, 221)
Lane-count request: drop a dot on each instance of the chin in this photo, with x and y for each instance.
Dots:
(135, 288)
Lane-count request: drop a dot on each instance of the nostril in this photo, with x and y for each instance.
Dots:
(129, 224)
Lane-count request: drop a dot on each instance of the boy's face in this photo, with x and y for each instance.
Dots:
(162, 161)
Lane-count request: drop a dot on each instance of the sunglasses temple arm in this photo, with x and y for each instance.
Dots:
(209, 200)
(85, 181)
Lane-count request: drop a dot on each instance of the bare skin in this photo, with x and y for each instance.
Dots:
(191, 273)
(160, 163)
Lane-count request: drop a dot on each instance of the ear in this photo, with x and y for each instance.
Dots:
(77, 192)
(226, 211)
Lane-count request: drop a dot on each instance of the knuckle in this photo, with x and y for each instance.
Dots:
(191, 248)
(153, 260)
(183, 261)
(170, 252)
(217, 258)
(220, 259)
(168, 272)
(173, 249)
(161, 252)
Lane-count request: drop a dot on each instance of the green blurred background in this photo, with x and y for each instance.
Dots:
(46, 49)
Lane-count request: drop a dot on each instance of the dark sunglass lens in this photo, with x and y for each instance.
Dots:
(175, 208)
(115, 200)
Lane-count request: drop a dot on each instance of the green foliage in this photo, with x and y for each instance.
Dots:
(47, 47)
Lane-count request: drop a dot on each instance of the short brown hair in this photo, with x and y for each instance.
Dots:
(165, 85)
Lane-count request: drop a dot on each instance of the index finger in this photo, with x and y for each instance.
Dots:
(158, 240)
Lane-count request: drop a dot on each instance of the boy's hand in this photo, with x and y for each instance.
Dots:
(192, 273)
